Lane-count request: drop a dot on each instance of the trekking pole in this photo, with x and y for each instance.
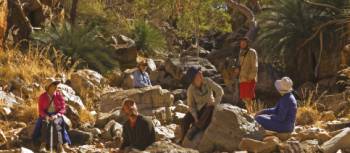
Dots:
(51, 137)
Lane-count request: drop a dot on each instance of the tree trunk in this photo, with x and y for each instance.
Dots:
(73, 11)
(251, 20)
(3, 22)
(18, 19)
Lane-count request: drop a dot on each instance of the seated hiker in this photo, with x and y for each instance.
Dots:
(51, 110)
(138, 132)
(201, 100)
(280, 118)
(141, 77)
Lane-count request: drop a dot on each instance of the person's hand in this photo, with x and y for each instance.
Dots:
(256, 114)
(53, 117)
(47, 118)
(236, 71)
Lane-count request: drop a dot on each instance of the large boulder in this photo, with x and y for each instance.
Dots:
(177, 66)
(179, 94)
(8, 99)
(195, 51)
(73, 114)
(19, 150)
(104, 118)
(125, 51)
(148, 98)
(313, 134)
(167, 147)
(338, 103)
(228, 126)
(3, 20)
(87, 82)
(164, 133)
(70, 96)
(340, 141)
(165, 79)
(79, 137)
(269, 145)
(113, 130)
(115, 77)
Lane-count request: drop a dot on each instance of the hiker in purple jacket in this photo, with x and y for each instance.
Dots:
(280, 118)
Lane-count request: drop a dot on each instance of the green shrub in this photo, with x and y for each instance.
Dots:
(148, 38)
(79, 42)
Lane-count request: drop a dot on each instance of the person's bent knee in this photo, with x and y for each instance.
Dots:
(188, 119)
(210, 107)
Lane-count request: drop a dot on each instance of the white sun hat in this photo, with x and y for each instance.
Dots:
(284, 85)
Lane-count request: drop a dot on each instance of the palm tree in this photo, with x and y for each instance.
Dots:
(305, 34)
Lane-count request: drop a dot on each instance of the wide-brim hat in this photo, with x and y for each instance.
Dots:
(127, 101)
(284, 85)
(51, 81)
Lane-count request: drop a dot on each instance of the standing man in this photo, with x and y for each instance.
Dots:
(141, 77)
(248, 72)
(201, 102)
(138, 132)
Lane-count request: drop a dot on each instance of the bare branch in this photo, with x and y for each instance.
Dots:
(318, 30)
(323, 6)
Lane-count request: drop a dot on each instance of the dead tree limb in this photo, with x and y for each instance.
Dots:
(251, 20)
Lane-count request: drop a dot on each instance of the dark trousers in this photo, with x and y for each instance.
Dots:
(57, 131)
(204, 119)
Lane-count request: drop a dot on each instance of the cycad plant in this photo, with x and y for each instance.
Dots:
(304, 33)
(148, 38)
(79, 42)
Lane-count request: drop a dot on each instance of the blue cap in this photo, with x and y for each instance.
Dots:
(191, 73)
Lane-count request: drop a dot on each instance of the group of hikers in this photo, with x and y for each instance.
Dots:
(203, 94)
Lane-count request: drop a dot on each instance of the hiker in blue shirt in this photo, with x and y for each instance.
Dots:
(141, 77)
(280, 118)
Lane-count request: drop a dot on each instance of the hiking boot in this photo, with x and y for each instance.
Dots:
(61, 149)
(43, 148)
(192, 132)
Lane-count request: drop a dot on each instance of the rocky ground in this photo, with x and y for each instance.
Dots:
(232, 129)
(94, 101)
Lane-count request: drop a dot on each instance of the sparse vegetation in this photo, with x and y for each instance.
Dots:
(33, 66)
(148, 39)
(82, 43)
(86, 116)
(307, 113)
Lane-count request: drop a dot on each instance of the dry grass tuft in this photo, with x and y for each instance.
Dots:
(258, 106)
(32, 67)
(36, 64)
(86, 116)
(26, 112)
(307, 113)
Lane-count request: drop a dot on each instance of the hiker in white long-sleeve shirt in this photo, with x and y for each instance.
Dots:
(201, 100)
